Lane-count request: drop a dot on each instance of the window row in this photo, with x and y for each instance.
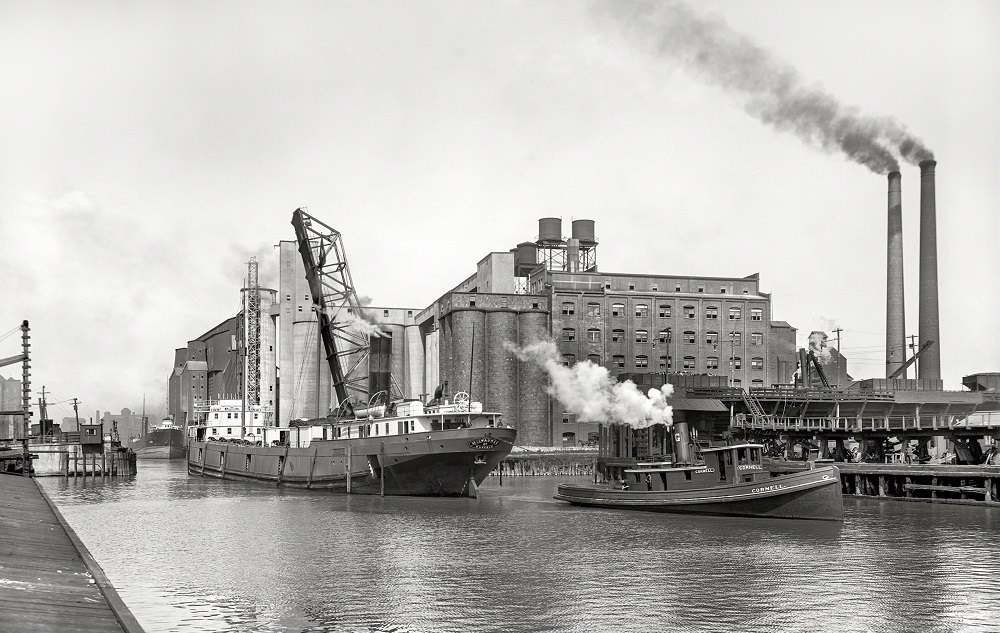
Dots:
(663, 336)
(666, 362)
(663, 311)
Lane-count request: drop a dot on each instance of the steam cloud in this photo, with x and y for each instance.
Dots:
(767, 88)
(589, 391)
(817, 345)
(362, 324)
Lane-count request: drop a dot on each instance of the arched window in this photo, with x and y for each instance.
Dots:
(689, 336)
(641, 310)
(689, 362)
(594, 358)
(689, 312)
(712, 362)
(712, 338)
(593, 309)
(593, 335)
(568, 307)
(642, 361)
(641, 336)
(618, 360)
(617, 309)
(664, 311)
(736, 362)
(569, 359)
(735, 314)
(666, 362)
(569, 334)
(756, 363)
(711, 312)
(664, 336)
(617, 335)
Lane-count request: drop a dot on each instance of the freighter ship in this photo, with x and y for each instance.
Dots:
(400, 448)
(163, 442)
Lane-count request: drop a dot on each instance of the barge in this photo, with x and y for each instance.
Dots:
(400, 448)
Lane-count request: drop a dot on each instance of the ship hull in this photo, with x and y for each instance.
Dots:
(437, 463)
(161, 444)
(813, 494)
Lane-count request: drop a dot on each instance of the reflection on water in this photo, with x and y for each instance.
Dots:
(192, 554)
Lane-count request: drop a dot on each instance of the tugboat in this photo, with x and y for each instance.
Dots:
(398, 448)
(728, 480)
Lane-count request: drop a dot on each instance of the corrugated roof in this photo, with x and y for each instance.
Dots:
(697, 404)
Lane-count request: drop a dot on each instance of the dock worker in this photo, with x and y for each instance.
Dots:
(624, 484)
(649, 482)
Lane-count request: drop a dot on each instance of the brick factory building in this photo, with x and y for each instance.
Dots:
(547, 289)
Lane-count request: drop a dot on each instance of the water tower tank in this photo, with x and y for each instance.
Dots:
(526, 255)
(550, 230)
(583, 230)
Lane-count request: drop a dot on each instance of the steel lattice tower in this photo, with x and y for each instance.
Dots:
(251, 330)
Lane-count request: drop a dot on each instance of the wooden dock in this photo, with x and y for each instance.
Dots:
(48, 579)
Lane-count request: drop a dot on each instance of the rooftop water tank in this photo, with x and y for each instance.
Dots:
(583, 230)
(550, 230)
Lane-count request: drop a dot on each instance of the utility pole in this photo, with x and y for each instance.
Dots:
(837, 331)
(42, 414)
(76, 413)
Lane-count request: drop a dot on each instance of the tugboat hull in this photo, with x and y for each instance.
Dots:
(813, 494)
(437, 463)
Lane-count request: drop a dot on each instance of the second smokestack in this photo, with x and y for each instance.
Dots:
(929, 363)
(895, 319)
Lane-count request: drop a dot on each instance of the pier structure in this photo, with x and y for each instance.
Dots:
(50, 582)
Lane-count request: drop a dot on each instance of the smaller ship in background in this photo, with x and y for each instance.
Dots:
(166, 441)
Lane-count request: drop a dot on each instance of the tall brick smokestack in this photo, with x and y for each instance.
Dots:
(929, 364)
(895, 319)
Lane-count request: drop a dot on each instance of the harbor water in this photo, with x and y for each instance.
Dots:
(191, 554)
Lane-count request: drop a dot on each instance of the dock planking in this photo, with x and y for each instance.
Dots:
(48, 579)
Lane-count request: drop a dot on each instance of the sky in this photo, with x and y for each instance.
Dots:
(149, 149)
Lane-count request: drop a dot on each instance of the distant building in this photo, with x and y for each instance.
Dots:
(10, 400)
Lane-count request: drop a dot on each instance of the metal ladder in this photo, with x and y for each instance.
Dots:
(753, 406)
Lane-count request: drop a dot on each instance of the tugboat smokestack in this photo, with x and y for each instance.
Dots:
(682, 444)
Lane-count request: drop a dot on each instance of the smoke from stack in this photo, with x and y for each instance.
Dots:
(768, 89)
(588, 390)
(895, 315)
(929, 364)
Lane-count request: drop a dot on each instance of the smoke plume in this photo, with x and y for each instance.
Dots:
(817, 345)
(589, 391)
(767, 88)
